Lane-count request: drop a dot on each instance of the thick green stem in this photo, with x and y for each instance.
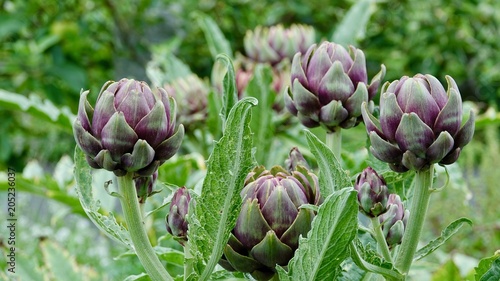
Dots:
(135, 224)
(188, 266)
(334, 142)
(379, 236)
(422, 189)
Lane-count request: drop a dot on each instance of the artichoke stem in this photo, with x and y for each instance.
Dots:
(334, 142)
(379, 236)
(135, 224)
(422, 189)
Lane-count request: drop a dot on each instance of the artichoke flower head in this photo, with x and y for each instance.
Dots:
(131, 129)
(420, 123)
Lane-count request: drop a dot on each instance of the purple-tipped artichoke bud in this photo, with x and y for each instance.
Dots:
(295, 158)
(176, 219)
(420, 123)
(131, 130)
(393, 222)
(144, 186)
(329, 85)
(372, 193)
(273, 44)
(270, 222)
(191, 95)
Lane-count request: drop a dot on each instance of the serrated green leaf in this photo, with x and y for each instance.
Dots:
(488, 268)
(107, 224)
(446, 234)
(213, 117)
(352, 27)
(332, 177)
(262, 125)
(351, 272)
(218, 206)
(327, 244)
(59, 262)
(230, 92)
(35, 106)
(217, 43)
(370, 261)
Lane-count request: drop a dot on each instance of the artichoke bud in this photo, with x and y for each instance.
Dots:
(295, 158)
(191, 95)
(176, 219)
(329, 85)
(276, 43)
(372, 193)
(420, 124)
(144, 186)
(393, 221)
(132, 129)
(270, 221)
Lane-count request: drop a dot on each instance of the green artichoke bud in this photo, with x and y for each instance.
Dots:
(394, 221)
(273, 44)
(420, 124)
(176, 219)
(270, 222)
(191, 95)
(131, 129)
(372, 193)
(295, 159)
(328, 87)
(144, 186)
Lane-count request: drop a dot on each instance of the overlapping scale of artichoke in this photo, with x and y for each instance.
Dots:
(132, 129)
(420, 123)
(328, 86)
(270, 221)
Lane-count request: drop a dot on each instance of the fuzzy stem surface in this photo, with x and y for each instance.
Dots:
(133, 218)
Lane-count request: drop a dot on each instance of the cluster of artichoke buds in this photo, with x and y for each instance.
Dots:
(131, 130)
(176, 219)
(191, 95)
(375, 202)
(420, 123)
(372, 193)
(276, 43)
(394, 221)
(144, 186)
(328, 86)
(270, 222)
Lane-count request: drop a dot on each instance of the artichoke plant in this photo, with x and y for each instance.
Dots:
(394, 221)
(132, 129)
(372, 193)
(270, 222)
(420, 123)
(144, 186)
(328, 86)
(273, 44)
(176, 219)
(191, 95)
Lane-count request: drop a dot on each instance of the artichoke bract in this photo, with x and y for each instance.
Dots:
(176, 220)
(273, 44)
(372, 193)
(328, 86)
(394, 221)
(270, 222)
(420, 123)
(132, 129)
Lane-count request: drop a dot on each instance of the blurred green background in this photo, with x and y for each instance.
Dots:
(51, 50)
